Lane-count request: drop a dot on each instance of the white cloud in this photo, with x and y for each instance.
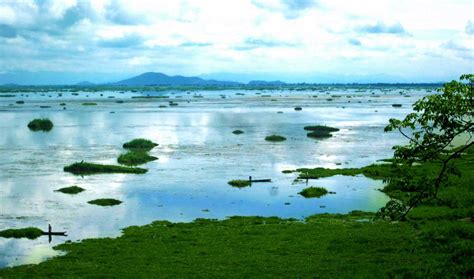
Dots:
(288, 37)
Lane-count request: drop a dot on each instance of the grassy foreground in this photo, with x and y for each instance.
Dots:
(435, 241)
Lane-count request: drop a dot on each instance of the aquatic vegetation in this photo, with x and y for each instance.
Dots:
(72, 190)
(275, 138)
(43, 124)
(397, 105)
(140, 143)
(6, 95)
(20, 102)
(84, 168)
(286, 171)
(105, 202)
(320, 131)
(313, 192)
(237, 132)
(30, 233)
(239, 183)
(298, 108)
(89, 104)
(134, 158)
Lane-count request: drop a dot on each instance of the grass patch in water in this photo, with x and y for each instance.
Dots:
(239, 183)
(134, 158)
(140, 143)
(275, 138)
(313, 192)
(84, 168)
(105, 202)
(89, 104)
(30, 233)
(320, 131)
(72, 190)
(43, 124)
(237, 132)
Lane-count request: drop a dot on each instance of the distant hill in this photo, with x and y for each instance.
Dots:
(266, 83)
(162, 79)
(85, 83)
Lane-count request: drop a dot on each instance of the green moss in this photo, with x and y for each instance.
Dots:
(30, 232)
(140, 143)
(275, 138)
(84, 168)
(239, 183)
(89, 104)
(72, 190)
(105, 202)
(134, 158)
(43, 124)
(313, 192)
(237, 132)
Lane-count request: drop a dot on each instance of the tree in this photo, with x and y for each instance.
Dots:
(436, 121)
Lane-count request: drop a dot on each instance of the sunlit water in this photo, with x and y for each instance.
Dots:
(197, 153)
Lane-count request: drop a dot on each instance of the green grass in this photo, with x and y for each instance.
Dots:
(89, 104)
(43, 124)
(134, 158)
(237, 132)
(239, 183)
(313, 192)
(72, 190)
(84, 168)
(143, 144)
(275, 138)
(30, 233)
(105, 202)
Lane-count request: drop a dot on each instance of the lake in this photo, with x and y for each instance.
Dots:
(198, 155)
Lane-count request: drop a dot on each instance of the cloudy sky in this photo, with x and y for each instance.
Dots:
(290, 40)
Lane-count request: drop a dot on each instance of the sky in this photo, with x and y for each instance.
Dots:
(59, 42)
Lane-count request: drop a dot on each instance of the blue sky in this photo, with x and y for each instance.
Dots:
(291, 40)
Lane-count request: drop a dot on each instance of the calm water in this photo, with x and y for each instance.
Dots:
(197, 153)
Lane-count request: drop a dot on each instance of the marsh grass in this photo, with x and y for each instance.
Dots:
(275, 138)
(140, 144)
(43, 124)
(237, 132)
(105, 202)
(84, 168)
(30, 233)
(89, 104)
(313, 192)
(72, 190)
(239, 183)
(134, 158)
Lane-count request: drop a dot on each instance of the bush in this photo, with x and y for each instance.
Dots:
(43, 124)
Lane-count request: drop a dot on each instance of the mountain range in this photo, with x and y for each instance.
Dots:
(152, 78)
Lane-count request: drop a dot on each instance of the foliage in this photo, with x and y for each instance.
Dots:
(275, 138)
(140, 143)
(84, 168)
(436, 122)
(239, 183)
(105, 202)
(30, 232)
(72, 190)
(313, 192)
(134, 158)
(43, 124)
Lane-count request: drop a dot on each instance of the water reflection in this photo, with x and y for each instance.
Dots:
(197, 153)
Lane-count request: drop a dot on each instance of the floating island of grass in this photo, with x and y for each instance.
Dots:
(72, 190)
(89, 104)
(134, 158)
(84, 168)
(140, 144)
(105, 202)
(239, 183)
(43, 124)
(275, 138)
(313, 192)
(237, 132)
(286, 171)
(320, 131)
(30, 232)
